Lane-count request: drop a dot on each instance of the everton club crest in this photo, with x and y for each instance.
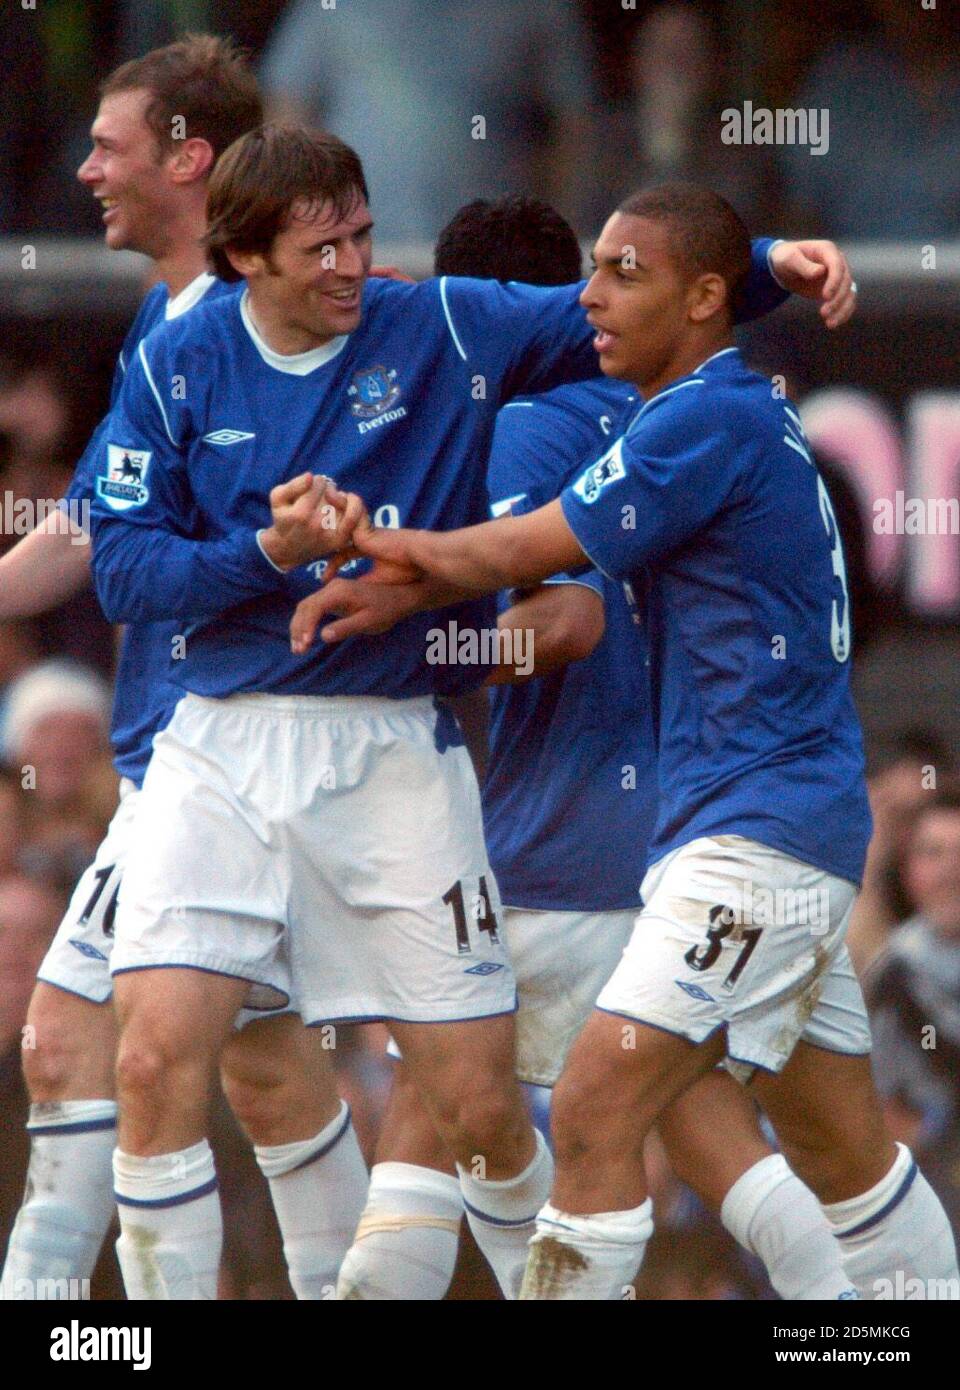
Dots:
(373, 391)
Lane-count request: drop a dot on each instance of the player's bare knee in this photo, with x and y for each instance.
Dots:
(49, 1067)
(68, 1056)
(576, 1118)
(487, 1123)
(156, 1065)
(260, 1103)
(835, 1164)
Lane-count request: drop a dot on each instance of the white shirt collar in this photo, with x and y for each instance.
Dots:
(189, 296)
(294, 364)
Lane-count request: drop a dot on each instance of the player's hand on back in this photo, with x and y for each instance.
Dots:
(311, 520)
(817, 270)
(390, 272)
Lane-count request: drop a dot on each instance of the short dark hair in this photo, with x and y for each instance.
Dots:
(706, 234)
(202, 78)
(261, 178)
(513, 238)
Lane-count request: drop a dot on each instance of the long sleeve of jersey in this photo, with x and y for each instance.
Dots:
(146, 566)
(528, 339)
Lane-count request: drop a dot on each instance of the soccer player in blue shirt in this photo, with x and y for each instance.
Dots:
(710, 505)
(569, 800)
(277, 1074)
(327, 796)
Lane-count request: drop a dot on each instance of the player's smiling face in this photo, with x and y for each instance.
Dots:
(309, 288)
(127, 172)
(637, 300)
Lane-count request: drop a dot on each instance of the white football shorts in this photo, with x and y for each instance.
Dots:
(79, 956)
(343, 830)
(736, 935)
(561, 961)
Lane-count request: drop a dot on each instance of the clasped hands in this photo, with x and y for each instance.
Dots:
(314, 520)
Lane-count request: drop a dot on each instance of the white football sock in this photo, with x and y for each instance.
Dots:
(774, 1216)
(171, 1228)
(68, 1201)
(318, 1187)
(503, 1213)
(406, 1243)
(587, 1257)
(896, 1233)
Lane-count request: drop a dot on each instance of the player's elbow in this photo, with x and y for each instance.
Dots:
(579, 624)
(567, 622)
(113, 600)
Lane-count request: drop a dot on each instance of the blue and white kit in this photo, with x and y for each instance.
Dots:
(763, 821)
(78, 957)
(208, 421)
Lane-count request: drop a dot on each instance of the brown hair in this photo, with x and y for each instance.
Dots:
(201, 78)
(262, 177)
(706, 234)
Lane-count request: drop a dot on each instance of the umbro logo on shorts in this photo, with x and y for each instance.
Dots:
(86, 949)
(227, 436)
(485, 967)
(695, 991)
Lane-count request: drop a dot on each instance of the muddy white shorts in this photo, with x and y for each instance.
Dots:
(562, 960)
(341, 834)
(736, 935)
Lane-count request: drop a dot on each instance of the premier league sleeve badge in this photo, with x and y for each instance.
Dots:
(123, 486)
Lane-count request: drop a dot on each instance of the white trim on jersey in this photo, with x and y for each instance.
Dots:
(189, 296)
(446, 310)
(662, 395)
(770, 249)
(721, 352)
(152, 384)
(294, 363)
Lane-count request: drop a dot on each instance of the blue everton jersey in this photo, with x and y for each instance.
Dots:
(570, 792)
(711, 503)
(402, 411)
(144, 694)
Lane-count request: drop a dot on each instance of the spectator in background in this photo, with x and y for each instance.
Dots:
(55, 728)
(147, 24)
(24, 119)
(894, 108)
(34, 423)
(11, 824)
(39, 445)
(917, 763)
(403, 81)
(672, 124)
(913, 992)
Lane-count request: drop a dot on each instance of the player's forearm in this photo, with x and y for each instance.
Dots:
(147, 575)
(550, 628)
(472, 559)
(513, 552)
(44, 569)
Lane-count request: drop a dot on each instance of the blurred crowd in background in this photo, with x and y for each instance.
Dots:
(582, 102)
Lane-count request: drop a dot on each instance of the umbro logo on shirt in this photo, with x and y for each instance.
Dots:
(227, 437)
